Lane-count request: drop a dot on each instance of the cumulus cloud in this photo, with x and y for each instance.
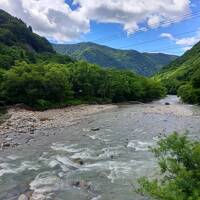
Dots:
(56, 20)
(186, 42)
(131, 13)
(52, 19)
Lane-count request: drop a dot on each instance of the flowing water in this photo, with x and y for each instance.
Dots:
(100, 158)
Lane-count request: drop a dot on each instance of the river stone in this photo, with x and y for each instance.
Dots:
(95, 129)
(23, 197)
(79, 161)
(6, 144)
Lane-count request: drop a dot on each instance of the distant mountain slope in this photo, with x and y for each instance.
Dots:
(142, 63)
(14, 32)
(182, 76)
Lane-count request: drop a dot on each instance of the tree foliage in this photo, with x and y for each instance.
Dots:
(182, 76)
(32, 84)
(35, 84)
(145, 64)
(33, 74)
(179, 161)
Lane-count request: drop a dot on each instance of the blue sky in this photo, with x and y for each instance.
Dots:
(113, 35)
(114, 23)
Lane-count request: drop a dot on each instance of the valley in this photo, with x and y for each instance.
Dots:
(86, 121)
(146, 64)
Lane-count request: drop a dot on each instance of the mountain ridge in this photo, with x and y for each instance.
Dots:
(142, 63)
(14, 32)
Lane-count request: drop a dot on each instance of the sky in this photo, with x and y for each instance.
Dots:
(168, 26)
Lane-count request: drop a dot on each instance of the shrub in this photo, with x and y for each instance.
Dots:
(189, 94)
(30, 84)
(179, 161)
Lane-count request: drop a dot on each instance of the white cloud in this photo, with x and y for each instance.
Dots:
(131, 13)
(52, 19)
(167, 35)
(186, 42)
(56, 20)
(154, 21)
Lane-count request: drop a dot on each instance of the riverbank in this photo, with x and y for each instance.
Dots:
(22, 125)
(22, 121)
(99, 156)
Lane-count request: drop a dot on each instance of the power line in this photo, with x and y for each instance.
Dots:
(168, 22)
(185, 17)
(171, 48)
(141, 31)
(158, 39)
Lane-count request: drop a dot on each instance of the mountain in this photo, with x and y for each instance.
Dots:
(19, 43)
(32, 73)
(14, 32)
(142, 63)
(182, 76)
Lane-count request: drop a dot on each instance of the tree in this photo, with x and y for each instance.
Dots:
(179, 161)
(35, 84)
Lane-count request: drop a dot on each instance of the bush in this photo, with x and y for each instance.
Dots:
(90, 81)
(189, 94)
(179, 161)
(196, 79)
(33, 84)
(44, 85)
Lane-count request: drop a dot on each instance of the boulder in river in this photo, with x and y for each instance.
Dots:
(95, 129)
(6, 144)
(23, 197)
(167, 103)
(82, 185)
(79, 161)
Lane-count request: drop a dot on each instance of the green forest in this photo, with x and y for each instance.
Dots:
(145, 64)
(182, 76)
(33, 74)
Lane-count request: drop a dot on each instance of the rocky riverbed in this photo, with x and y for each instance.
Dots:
(84, 154)
(25, 123)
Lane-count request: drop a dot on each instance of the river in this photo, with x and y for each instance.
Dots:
(100, 158)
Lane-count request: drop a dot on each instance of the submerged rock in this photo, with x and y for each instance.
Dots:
(95, 129)
(6, 144)
(167, 104)
(23, 197)
(82, 184)
(79, 161)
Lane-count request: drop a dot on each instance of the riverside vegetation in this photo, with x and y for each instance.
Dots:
(179, 161)
(33, 74)
(182, 76)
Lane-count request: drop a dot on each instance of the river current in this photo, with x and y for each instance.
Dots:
(101, 158)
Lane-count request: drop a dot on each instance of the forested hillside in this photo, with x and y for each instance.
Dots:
(18, 42)
(13, 32)
(33, 74)
(145, 64)
(182, 76)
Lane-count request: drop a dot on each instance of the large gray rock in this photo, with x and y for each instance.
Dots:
(23, 197)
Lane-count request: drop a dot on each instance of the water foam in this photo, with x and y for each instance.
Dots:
(139, 145)
(8, 168)
(44, 185)
(62, 147)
